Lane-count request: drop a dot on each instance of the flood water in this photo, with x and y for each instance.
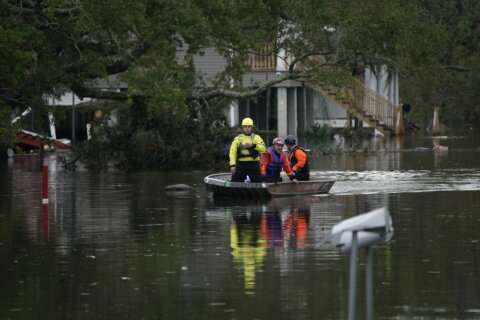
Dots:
(116, 245)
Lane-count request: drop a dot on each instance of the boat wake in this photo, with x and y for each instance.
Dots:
(372, 182)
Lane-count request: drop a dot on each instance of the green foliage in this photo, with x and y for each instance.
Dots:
(7, 129)
(95, 153)
(320, 133)
(453, 83)
(142, 141)
(49, 47)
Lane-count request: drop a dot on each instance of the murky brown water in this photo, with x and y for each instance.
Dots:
(117, 246)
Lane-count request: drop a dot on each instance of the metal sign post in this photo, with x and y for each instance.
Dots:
(352, 291)
(362, 231)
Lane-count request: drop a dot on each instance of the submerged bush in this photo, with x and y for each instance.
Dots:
(142, 141)
(320, 133)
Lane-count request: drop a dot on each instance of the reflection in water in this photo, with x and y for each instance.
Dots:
(5, 186)
(248, 247)
(296, 228)
(272, 230)
(115, 245)
(45, 224)
(287, 232)
(276, 225)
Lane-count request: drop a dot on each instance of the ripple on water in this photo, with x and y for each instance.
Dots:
(371, 182)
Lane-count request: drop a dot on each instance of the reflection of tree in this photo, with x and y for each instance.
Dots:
(6, 185)
(248, 248)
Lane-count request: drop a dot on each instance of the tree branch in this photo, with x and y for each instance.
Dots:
(459, 69)
(122, 65)
(31, 8)
(85, 92)
(215, 93)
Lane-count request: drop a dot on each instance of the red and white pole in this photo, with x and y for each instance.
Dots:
(45, 184)
(45, 226)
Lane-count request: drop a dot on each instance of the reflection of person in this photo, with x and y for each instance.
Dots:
(248, 247)
(273, 160)
(298, 159)
(296, 228)
(244, 154)
(291, 232)
(272, 229)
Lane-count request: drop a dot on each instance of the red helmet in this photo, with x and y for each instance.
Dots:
(278, 141)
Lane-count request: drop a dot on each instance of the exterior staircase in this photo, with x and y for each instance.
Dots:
(357, 99)
(364, 104)
(360, 102)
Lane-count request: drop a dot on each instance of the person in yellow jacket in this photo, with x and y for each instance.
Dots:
(245, 154)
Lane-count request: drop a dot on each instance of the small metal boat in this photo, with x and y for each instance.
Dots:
(220, 185)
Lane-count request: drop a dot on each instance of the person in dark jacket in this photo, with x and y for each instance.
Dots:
(298, 159)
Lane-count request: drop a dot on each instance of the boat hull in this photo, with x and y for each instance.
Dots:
(220, 185)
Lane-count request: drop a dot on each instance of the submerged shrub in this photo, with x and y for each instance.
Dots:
(140, 141)
(320, 133)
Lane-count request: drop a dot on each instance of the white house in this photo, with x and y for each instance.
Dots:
(289, 107)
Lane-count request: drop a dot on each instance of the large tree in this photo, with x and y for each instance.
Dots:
(453, 84)
(48, 47)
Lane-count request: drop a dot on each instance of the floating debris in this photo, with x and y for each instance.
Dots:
(179, 191)
(179, 187)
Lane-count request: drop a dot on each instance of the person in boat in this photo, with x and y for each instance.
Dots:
(273, 160)
(245, 153)
(298, 159)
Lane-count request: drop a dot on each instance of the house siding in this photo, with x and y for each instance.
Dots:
(211, 63)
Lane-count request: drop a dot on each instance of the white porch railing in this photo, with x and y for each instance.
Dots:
(359, 101)
(378, 107)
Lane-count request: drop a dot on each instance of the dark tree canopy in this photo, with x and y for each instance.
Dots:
(50, 47)
(453, 84)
